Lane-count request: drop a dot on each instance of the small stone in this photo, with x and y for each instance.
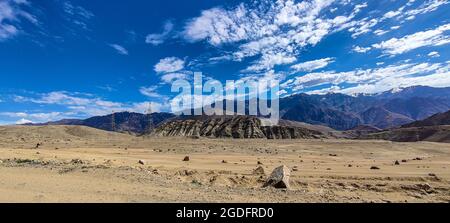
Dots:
(38, 152)
(259, 163)
(186, 158)
(77, 161)
(432, 175)
(224, 161)
(142, 162)
(259, 171)
(404, 161)
(374, 168)
(397, 163)
(350, 165)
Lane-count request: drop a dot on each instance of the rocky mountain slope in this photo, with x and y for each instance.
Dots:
(437, 119)
(232, 127)
(386, 110)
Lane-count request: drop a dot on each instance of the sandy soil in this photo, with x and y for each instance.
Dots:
(79, 164)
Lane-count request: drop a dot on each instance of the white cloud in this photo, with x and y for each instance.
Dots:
(120, 49)
(12, 12)
(434, 54)
(150, 91)
(274, 32)
(332, 89)
(380, 32)
(79, 105)
(434, 37)
(377, 79)
(168, 78)
(359, 49)
(77, 15)
(159, 38)
(23, 121)
(269, 61)
(312, 65)
(169, 65)
(33, 117)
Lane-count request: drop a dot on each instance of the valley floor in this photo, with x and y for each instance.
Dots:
(219, 170)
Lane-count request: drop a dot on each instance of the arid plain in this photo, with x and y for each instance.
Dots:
(81, 164)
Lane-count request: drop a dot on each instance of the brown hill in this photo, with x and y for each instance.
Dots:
(232, 127)
(437, 119)
(413, 134)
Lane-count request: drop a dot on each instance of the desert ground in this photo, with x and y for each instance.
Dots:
(80, 164)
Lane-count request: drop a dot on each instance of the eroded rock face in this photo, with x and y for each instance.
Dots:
(279, 178)
(232, 127)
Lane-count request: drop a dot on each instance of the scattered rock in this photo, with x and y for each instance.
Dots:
(279, 178)
(187, 172)
(432, 175)
(396, 162)
(224, 161)
(77, 161)
(332, 154)
(37, 145)
(350, 165)
(186, 158)
(38, 152)
(374, 168)
(404, 161)
(142, 162)
(295, 169)
(259, 163)
(259, 171)
(417, 158)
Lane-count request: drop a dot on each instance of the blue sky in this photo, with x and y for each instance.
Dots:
(75, 59)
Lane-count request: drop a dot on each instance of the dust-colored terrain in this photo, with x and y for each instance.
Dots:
(81, 164)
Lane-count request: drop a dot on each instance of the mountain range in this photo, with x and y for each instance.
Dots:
(127, 122)
(338, 111)
(385, 110)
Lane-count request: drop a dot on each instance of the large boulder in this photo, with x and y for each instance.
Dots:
(279, 178)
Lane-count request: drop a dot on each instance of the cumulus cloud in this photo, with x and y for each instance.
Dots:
(273, 31)
(269, 61)
(312, 65)
(159, 38)
(170, 77)
(359, 49)
(120, 49)
(434, 37)
(434, 54)
(169, 65)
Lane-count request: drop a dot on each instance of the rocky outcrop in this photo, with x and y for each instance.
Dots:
(232, 127)
(279, 178)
